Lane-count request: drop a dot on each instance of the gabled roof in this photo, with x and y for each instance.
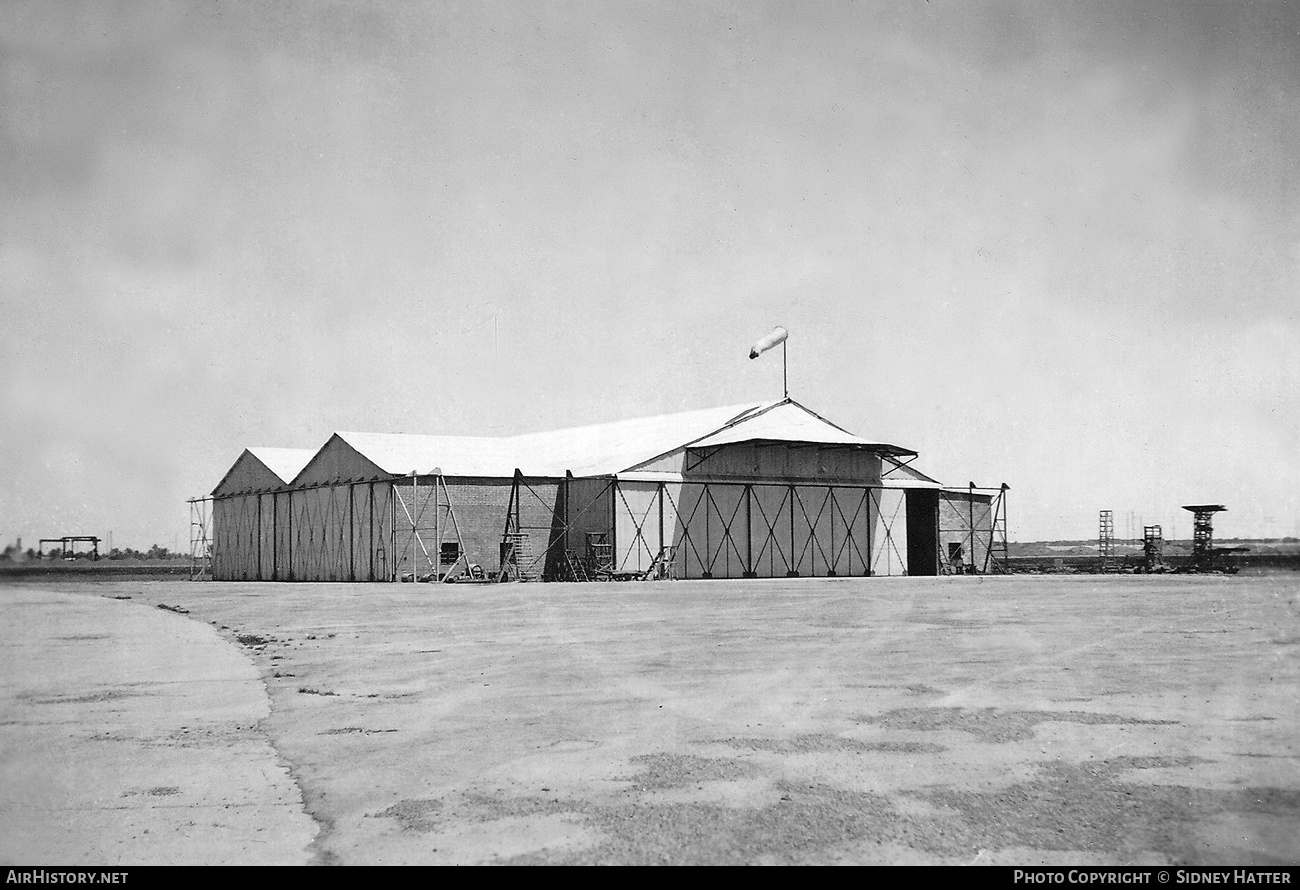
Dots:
(788, 421)
(403, 453)
(262, 469)
(606, 448)
(602, 449)
(285, 463)
(894, 473)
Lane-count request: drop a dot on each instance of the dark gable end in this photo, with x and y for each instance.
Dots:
(246, 475)
(337, 461)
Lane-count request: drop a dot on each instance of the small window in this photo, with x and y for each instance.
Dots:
(450, 551)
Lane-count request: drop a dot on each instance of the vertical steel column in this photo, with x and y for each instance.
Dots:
(833, 562)
(661, 521)
(749, 531)
(971, 505)
(568, 492)
(259, 536)
(518, 498)
(615, 495)
(275, 536)
(415, 497)
(871, 533)
(352, 532)
(791, 571)
(289, 510)
(392, 502)
(708, 544)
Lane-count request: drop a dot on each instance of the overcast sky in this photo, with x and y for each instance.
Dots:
(1056, 245)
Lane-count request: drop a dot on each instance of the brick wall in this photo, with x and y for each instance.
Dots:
(481, 506)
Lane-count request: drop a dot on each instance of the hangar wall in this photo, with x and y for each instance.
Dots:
(965, 531)
(363, 531)
(337, 532)
(369, 531)
(773, 494)
(235, 538)
(761, 529)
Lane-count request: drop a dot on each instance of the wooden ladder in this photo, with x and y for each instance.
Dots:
(520, 563)
(577, 571)
(664, 566)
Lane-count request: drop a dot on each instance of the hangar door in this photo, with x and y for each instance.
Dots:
(763, 530)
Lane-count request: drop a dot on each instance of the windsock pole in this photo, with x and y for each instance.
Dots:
(785, 373)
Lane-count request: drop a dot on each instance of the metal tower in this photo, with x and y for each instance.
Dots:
(1106, 538)
(1203, 535)
(1153, 548)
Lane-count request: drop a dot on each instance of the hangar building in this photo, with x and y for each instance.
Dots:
(756, 490)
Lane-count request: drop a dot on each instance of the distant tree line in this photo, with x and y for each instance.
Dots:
(13, 553)
(154, 552)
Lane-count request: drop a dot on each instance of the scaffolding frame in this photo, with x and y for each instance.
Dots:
(1105, 539)
(1203, 552)
(1001, 564)
(200, 538)
(520, 560)
(996, 554)
(1153, 548)
(443, 522)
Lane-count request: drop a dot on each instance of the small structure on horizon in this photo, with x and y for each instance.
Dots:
(1153, 548)
(68, 545)
(1205, 556)
(1105, 538)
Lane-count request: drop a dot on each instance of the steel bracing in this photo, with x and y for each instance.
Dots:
(996, 560)
(200, 539)
(702, 530)
(582, 529)
(973, 530)
(381, 530)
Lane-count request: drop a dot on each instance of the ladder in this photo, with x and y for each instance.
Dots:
(518, 562)
(998, 558)
(577, 571)
(600, 556)
(664, 566)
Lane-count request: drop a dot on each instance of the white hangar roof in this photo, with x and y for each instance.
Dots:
(283, 462)
(260, 468)
(597, 450)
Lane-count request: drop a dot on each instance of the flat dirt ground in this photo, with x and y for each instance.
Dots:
(1018, 720)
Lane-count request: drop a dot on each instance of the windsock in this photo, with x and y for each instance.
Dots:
(778, 335)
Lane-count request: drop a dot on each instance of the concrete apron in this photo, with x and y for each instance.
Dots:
(131, 735)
